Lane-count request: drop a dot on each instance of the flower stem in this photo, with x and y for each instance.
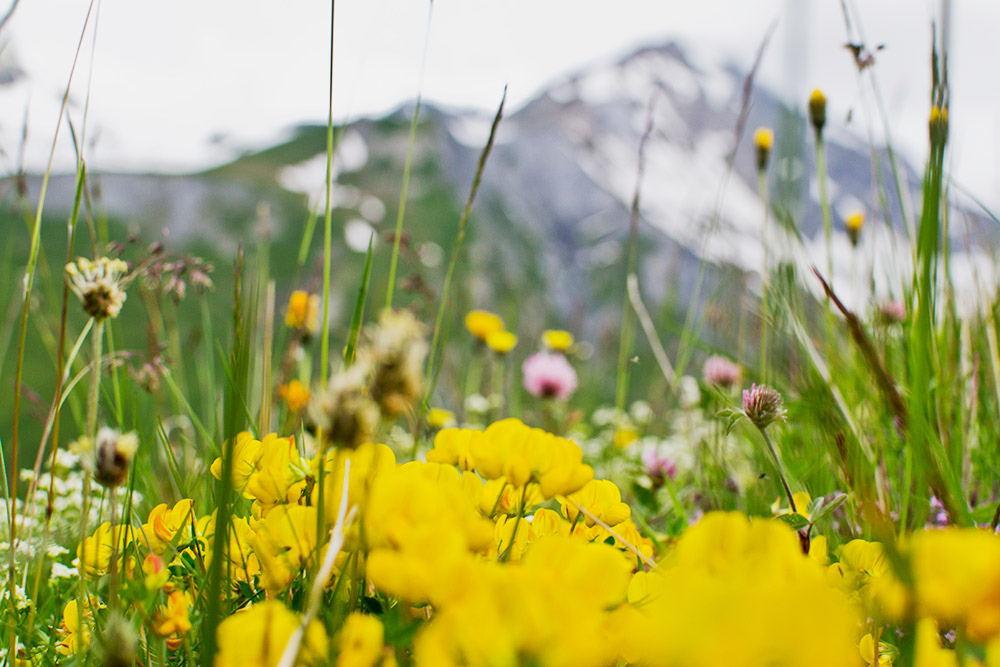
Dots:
(777, 465)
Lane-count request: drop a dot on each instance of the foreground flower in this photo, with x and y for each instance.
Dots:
(258, 636)
(716, 598)
(361, 641)
(549, 376)
(99, 285)
(763, 405)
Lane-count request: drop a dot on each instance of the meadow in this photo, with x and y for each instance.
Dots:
(202, 466)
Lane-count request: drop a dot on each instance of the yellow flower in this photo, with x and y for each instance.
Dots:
(817, 110)
(763, 141)
(164, 523)
(440, 418)
(303, 312)
(283, 543)
(601, 499)
(763, 138)
(481, 323)
(501, 342)
(257, 637)
(625, 436)
(94, 553)
(76, 630)
(866, 647)
(522, 454)
(452, 446)
(557, 339)
(173, 618)
(714, 599)
(279, 476)
(957, 575)
(854, 222)
(296, 396)
(157, 574)
(246, 453)
(361, 641)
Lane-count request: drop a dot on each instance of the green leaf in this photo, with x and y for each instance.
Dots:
(821, 512)
(794, 521)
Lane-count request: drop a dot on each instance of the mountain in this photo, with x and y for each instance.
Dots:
(548, 238)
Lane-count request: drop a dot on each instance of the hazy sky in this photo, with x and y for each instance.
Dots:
(169, 76)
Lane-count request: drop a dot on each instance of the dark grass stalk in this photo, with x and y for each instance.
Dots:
(437, 341)
(56, 408)
(359, 306)
(401, 209)
(265, 372)
(234, 418)
(328, 218)
(19, 372)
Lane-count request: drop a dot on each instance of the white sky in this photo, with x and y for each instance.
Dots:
(168, 76)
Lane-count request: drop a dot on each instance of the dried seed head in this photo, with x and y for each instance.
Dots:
(395, 350)
(119, 642)
(113, 453)
(763, 405)
(99, 284)
(343, 413)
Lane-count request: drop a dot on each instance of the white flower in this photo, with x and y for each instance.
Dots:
(60, 571)
(99, 284)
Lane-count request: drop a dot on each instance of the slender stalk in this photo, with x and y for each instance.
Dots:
(401, 209)
(824, 205)
(328, 219)
(765, 276)
(777, 465)
(436, 341)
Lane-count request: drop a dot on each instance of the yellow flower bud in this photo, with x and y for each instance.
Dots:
(817, 110)
(763, 141)
(854, 222)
